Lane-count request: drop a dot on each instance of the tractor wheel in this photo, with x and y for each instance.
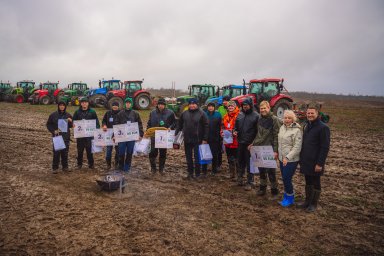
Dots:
(118, 100)
(19, 98)
(142, 101)
(98, 100)
(109, 95)
(75, 101)
(280, 107)
(45, 100)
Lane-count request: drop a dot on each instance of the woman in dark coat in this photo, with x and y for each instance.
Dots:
(314, 151)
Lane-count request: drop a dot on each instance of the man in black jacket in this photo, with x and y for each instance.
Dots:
(194, 125)
(160, 117)
(314, 152)
(126, 148)
(85, 113)
(109, 120)
(245, 130)
(214, 138)
(53, 127)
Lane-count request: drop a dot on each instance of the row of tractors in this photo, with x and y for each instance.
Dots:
(109, 91)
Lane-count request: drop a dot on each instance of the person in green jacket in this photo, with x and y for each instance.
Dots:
(223, 108)
(267, 135)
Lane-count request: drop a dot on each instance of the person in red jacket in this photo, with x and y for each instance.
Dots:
(228, 125)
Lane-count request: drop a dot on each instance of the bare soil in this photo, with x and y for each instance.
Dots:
(67, 214)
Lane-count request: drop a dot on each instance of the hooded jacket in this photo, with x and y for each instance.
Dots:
(267, 131)
(194, 124)
(229, 122)
(132, 116)
(110, 118)
(214, 124)
(315, 147)
(52, 123)
(290, 139)
(165, 118)
(246, 126)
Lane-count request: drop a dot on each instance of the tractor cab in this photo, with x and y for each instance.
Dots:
(76, 89)
(202, 92)
(131, 87)
(231, 90)
(46, 94)
(5, 89)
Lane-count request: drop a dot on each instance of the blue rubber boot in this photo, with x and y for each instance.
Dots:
(290, 200)
(284, 200)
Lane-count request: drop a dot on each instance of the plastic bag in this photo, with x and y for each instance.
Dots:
(179, 138)
(227, 138)
(96, 149)
(58, 143)
(142, 147)
(205, 152)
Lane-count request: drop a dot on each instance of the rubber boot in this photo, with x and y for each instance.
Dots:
(313, 203)
(109, 164)
(152, 161)
(121, 162)
(240, 179)
(289, 200)
(161, 165)
(284, 201)
(232, 171)
(308, 194)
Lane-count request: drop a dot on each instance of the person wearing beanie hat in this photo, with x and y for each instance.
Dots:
(160, 117)
(85, 113)
(126, 148)
(60, 116)
(194, 125)
(109, 120)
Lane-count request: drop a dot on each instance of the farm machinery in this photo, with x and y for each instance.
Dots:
(73, 92)
(97, 97)
(231, 90)
(201, 92)
(271, 90)
(132, 89)
(300, 112)
(23, 90)
(47, 93)
(5, 89)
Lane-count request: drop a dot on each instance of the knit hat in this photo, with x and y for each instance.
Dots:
(84, 99)
(192, 101)
(226, 98)
(247, 101)
(232, 103)
(128, 100)
(211, 104)
(161, 101)
(115, 104)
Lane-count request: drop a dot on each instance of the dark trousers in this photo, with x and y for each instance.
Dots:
(155, 151)
(231, 155)
(125, 155)
(63, 154)
(192, 161)
(84, 143)
(220, 156)
(108, 155)
(312, 180)
(214, 146)
(271, 172)
(287, 173)
(243, 159)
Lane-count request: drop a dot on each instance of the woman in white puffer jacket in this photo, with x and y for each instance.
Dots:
(290, 140)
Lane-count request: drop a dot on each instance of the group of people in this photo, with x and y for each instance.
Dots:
(293, 144)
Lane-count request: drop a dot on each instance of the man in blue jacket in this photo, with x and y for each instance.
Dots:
(214, 124)
(314, 152)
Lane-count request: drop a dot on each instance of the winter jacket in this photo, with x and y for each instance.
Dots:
(222, 110)
(290, 139)
(132, 116)
(267, 131)
(315, 147)
(214, 123)
(194, 124)
(246, 126)
(53, 120)
(165, 118)
(110, 118)
(88, 114)
(229, 121)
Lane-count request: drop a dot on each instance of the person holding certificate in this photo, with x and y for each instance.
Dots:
(109, 120)
(128, 115)
(58, 124)
(85, 113)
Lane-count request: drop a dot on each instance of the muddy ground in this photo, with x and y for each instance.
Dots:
(67, 214)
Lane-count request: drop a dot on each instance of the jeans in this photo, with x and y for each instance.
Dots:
(287, 173)
(243, 159)
(193, 164)
(125, 155)
(63, 154)
(84, 143)
(214, 146)
(108, 155)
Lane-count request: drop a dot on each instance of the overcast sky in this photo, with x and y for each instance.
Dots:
(332, 46)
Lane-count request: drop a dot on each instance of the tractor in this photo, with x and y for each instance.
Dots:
(47, 93)
(132, 89)
(97, 97)
(269, 89)
(73, 92)
(5, 89)
(231, 90)
(23, 90)
(201, 92)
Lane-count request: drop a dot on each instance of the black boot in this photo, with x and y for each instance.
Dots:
(152, 161)
(121, 163)
(109, 164)
(308, 195)
(161, 165)
(262, 190)
(315, 198)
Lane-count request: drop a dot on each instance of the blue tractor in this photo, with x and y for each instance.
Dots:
(97, 97)
(230, 90)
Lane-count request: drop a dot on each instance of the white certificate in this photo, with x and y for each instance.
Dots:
(263, 156)
(62, 124)
(164, 138)
(126, 132)
(84, 128)
(103, 138)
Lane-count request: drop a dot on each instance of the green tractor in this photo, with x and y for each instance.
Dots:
(23, 90)
(73, 92)
(5, 89)
(201, 92)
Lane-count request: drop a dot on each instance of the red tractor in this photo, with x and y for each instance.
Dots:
(132, 89)
(269, 89)
(47, 93)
